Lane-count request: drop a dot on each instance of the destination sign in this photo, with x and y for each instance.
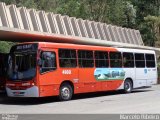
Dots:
(22, 47)
(25, 47)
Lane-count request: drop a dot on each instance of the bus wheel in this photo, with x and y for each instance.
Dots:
(128, 86)
(65, 92)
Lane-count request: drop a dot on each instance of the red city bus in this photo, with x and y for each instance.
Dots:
(3, 68)
(58, 69)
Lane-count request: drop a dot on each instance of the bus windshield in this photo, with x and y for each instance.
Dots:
(22, 66)
(22, 63)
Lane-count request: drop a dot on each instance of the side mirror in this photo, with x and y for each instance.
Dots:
(39, 62)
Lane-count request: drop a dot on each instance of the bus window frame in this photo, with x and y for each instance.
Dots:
(79, 66)
(129, 60)
(40, 60)
(107, 60)
(150, 60)
(59, 58)
(140, 60)
(114, 59)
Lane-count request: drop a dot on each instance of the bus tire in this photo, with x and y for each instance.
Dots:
(65, 92)
(128, 86)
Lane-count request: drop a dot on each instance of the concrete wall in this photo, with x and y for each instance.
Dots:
(40, 21)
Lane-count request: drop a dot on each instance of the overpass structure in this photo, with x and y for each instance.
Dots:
(23, 25)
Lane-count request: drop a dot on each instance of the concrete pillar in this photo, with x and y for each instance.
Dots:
(139, 37)
(89, 29)
(82, 28)
(132, 36)
(129, 36)
(35, 20)
(60, 24)
(135, 37)
(68, 25)
(53, 23)
(5, 15)
(75, 26)
(26, 19)
(107, 32)
(121, 34)
(44, 21)
(126, 35)
(101, 31)
(16, 17)
(112, 33)
(95, 30)
(1, 22)
(116, 33)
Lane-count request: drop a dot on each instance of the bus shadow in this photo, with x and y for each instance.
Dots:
(36, 101)
(102, 94)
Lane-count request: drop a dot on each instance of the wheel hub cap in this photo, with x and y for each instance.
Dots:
(127, 86)
(65, 92)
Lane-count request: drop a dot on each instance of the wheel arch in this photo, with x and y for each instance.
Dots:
(130, 80)
(68, 82)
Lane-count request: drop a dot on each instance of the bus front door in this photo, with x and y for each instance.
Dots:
(48, 73)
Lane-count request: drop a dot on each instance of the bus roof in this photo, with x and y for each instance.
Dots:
(88, 47)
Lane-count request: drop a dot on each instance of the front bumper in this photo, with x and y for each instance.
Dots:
(30, 92)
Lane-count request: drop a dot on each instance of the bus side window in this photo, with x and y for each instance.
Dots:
(67, 58)
(128, 60)
(48, 61)
(101, 59)
(85, 59)
(150, 60)
(115, 59)
(139, 60)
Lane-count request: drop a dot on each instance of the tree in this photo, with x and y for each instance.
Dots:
(145, 8)
(5, 46)
(154, 23)
(130, 14)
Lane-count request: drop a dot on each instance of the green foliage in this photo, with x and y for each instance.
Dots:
(70, 7)
(5, 46)
(145, 25)
(154, 23)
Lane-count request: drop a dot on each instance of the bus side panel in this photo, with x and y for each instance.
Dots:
(111, 85)
(151, 76)
(92, 84)
(86, 76)
(47, 84)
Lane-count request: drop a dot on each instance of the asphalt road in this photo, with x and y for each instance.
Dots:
(139, 101)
